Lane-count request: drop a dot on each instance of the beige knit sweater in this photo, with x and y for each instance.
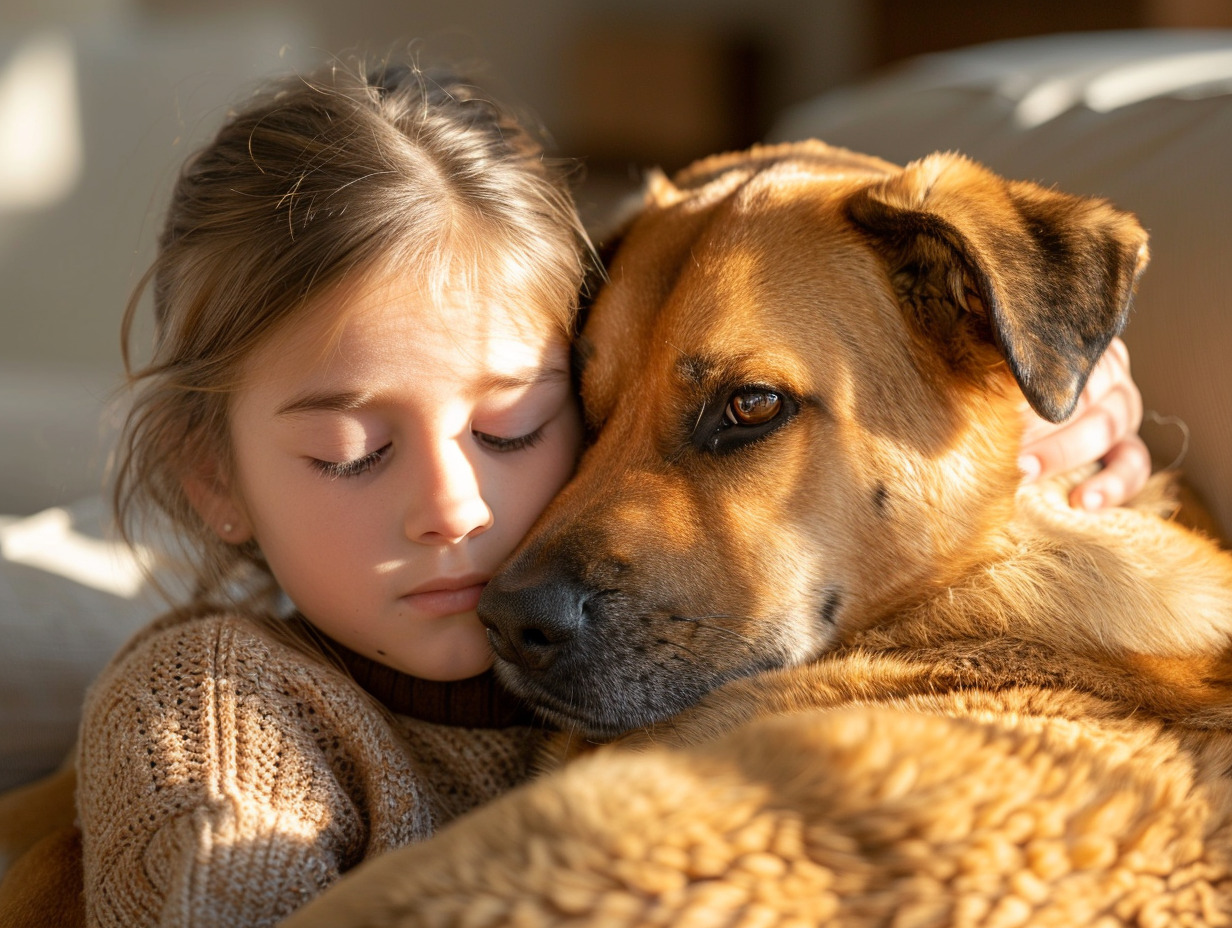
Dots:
(226, 777)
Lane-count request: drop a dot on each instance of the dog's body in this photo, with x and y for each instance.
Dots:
(873, 682)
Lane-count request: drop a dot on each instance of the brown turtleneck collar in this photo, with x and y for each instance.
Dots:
(478, 702)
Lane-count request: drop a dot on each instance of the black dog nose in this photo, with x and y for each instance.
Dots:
(532, 626)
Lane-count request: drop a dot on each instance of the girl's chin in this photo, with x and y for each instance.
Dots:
(457, 653)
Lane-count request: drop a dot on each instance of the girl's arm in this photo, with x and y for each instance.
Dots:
(1103, 428)
(218, 785)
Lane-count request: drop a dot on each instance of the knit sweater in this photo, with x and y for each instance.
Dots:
(226, 776)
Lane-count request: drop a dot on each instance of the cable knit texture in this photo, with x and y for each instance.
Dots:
(226, 777)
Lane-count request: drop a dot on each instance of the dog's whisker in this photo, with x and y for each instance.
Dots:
(706, 622)
(677, 646)
(729, 632)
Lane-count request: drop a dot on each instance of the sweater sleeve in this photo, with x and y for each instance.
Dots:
(213, 788)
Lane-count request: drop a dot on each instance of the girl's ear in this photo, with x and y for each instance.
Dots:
(217, 504)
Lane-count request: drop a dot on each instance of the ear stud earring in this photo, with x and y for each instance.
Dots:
(227, 527)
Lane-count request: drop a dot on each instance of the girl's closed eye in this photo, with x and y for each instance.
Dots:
(518, 443)
(353, 468)
(520, 422)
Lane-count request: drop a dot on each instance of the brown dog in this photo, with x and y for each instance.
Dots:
(876, 682)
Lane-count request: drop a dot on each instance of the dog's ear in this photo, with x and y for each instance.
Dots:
(1047, 276)
(810, 154)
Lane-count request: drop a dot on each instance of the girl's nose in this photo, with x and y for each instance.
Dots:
(448, 504)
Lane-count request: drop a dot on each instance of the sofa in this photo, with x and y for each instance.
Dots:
(1143, 118)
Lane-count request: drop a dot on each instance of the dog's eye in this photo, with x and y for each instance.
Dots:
(753, 408)
(742, 417)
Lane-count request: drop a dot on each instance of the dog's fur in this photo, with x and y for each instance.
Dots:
(874, 681)
(40, 854)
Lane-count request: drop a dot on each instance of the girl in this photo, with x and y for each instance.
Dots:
(359, 397)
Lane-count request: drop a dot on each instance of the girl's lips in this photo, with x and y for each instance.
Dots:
(441, 603)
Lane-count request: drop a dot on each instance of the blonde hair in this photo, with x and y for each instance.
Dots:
(318, 180)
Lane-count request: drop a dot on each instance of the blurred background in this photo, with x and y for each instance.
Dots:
(101, 99)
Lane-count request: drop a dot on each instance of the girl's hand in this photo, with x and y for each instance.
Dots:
(1104, 428)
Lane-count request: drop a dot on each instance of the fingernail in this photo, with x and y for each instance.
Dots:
(1029, 465)
(1092, 500)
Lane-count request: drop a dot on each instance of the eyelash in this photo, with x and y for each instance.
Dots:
(354, 468)
(502, 445)
(342, 469)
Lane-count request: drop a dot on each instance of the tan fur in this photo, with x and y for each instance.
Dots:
(871, 681)
(33, 810)
(40, 853)
(44, 886)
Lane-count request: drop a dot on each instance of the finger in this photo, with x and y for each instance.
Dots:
(1119, 352)
(1086, 438)
(1127, 467)
(1110, 375)
(1119, 380)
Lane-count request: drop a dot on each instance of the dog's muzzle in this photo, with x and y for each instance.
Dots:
(601, 645)
(586, 656)
(532, 626)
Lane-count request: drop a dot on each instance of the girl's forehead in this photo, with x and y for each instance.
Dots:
(390, 326)
(392, 303)
(449, 305)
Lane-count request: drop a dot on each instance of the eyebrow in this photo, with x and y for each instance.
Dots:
(530, 377)
(324, 400)
(350, 400)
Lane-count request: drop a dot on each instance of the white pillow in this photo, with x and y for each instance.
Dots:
(69, 597)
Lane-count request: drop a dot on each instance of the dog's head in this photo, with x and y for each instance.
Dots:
(804, 380)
